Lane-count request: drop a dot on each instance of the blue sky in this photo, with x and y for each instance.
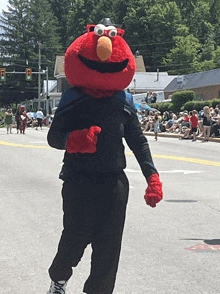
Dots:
(3, 5)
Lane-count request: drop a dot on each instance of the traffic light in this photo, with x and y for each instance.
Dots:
(3, 74)
(28, 74)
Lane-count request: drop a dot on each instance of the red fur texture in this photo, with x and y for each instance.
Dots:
(83, 141)
(154, 191)
(78, 74)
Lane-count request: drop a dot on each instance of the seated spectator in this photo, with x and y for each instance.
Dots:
(187, 134)
(165, 118)
(185, 123)
(142, 106)
(139, 115)
(144, 121)
(200, 123)
(169, 123)
(176, 125)
(215, 127)
(173, 115)
(187, 130)
(150, 123)
(215, 115)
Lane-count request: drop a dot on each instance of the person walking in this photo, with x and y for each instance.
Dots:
(8, 120)
(156, 126)
(18, 114)
(39, 117)
(90, 123)
(23, 119)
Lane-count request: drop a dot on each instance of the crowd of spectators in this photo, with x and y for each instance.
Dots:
(190, 125)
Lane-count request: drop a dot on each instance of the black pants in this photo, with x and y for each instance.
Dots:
(94, 213)
(39, 122)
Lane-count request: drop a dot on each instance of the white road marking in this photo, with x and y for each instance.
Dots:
(185, 172)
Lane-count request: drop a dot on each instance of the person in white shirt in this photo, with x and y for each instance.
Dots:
(39, 117)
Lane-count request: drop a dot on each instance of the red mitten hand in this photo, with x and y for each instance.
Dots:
(154, 191)
(83, 141)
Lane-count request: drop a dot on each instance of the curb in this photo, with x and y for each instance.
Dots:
(171, 135)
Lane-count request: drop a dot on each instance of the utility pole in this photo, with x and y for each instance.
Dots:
(39, 77)
(47, 95)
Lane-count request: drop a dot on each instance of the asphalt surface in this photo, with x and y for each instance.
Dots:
(173, 248)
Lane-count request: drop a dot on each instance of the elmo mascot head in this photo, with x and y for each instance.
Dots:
(100, 61)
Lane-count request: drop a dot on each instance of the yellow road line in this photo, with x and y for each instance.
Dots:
(25, 146)
(194, 160)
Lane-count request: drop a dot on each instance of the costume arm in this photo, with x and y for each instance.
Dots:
(58, 134)
(59, 130)
(138, 143)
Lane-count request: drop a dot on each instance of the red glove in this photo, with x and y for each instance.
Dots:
(83, 141)
(154, 191)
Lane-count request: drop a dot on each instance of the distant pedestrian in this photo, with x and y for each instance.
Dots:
(8, 120)
(150, 97)
(146, 98)
(154, 98)
(194, 124)
(156, 126)
(39, 117)
(18, 114)
(23, 120)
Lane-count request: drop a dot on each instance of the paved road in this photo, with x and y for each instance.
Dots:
(173, 248)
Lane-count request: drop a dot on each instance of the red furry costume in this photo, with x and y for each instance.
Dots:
(92, 119)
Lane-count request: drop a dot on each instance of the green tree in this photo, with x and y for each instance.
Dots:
(150, 29)
(183, 58)
(164, 23)
(61, 9)
(216, 57)
(26, 24)
(85, 12)
(44, 30)
(215, 19)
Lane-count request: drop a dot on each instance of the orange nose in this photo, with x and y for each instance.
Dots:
(104, 48)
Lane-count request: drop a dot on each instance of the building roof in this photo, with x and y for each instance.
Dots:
(150, 81)
(59, 66)
(140, 63)
(195, 80)
(52, 86)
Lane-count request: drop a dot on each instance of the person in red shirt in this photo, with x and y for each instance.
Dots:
(194, 124)
(192, 129)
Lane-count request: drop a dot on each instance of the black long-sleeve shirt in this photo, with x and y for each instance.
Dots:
(116, 118)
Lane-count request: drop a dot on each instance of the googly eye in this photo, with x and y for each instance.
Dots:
(99, 30)
(112, 33)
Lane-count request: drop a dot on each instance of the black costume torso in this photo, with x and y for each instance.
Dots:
(116, 118)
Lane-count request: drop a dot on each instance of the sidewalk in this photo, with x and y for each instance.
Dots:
(173, 135)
